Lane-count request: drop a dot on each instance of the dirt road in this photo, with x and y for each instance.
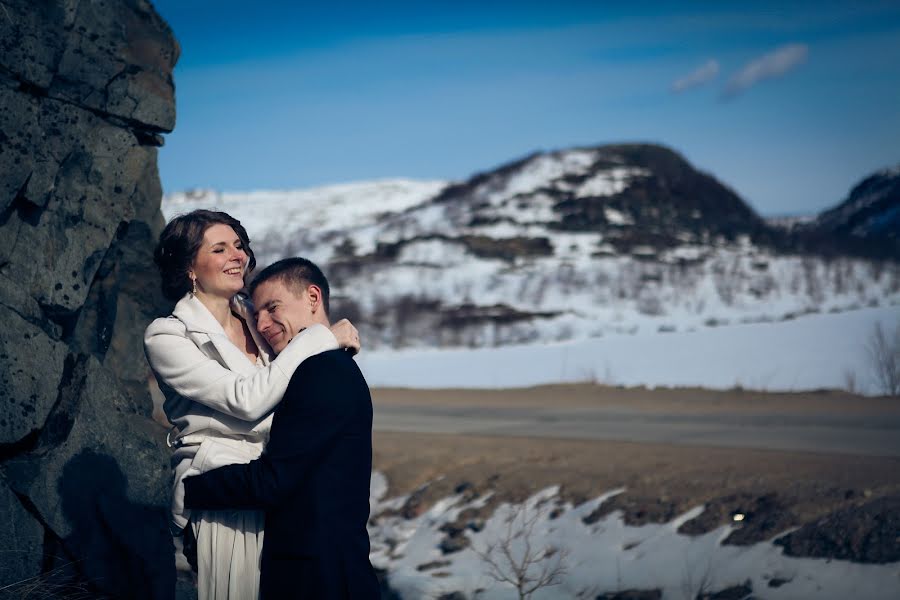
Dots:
(824, 422)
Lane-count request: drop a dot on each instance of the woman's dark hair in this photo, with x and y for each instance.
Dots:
(179, 243)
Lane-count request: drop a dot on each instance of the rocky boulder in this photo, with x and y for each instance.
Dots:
(87, 91)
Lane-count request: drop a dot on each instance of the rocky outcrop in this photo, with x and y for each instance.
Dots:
(867, 533)
(87, 91)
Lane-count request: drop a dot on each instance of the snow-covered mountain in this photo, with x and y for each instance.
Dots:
(559, 245)
(868, 220)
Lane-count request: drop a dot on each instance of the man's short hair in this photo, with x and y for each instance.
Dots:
(296, 274)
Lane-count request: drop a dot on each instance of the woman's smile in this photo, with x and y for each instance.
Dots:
(222, 253)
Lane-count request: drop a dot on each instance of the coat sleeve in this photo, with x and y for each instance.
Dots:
(180, 364)
(307, 424)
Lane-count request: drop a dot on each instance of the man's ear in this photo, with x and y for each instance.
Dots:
(314, 293)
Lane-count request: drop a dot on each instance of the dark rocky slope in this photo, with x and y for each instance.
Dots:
(665, 196)
(867, 222)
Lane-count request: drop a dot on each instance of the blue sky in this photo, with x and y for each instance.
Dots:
(790, 106)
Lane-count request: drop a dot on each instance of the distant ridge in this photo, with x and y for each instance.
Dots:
(868, 221)
(635, 193)
(568, 244)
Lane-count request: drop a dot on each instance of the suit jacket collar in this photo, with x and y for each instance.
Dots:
(202, 327)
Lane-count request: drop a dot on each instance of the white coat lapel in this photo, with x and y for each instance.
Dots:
(204, 330)
(244, 308)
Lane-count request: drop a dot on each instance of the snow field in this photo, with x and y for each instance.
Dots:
(599, 556)
(810, 352)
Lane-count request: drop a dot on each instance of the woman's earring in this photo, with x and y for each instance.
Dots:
(194, 286)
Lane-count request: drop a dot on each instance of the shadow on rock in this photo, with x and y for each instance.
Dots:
(122, 549)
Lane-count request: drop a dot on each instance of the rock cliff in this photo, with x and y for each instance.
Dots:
(86, 90)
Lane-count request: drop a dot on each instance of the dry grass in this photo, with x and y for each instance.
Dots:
(669, 400)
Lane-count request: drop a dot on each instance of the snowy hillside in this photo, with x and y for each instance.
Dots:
(869, 216)
(567, 245)
(336, 207)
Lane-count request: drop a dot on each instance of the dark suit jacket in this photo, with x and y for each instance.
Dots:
(313, 482)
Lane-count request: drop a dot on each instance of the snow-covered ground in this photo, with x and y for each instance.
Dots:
(607, 555)
(600, 556)
(809, 352)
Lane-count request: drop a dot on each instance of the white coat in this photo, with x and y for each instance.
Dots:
(219, 402)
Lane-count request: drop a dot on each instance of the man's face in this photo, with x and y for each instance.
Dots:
(281, 313)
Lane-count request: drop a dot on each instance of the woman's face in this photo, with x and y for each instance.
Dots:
(220, 262)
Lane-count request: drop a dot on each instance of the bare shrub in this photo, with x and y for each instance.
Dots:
(850, 383)
(346, 249)
(592, 375)
(566, 277)
(697, 579)
(811, 279)
(843, 275)
(648, 303)
(589, 375)
(344, 307)
(883, 350)
(518, 558)
(727, 280)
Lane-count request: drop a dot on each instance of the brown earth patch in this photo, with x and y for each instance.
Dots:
(668, 400)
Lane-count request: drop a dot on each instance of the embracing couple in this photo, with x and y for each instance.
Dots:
(272, 419)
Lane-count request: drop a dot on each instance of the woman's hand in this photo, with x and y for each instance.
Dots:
(347, 335)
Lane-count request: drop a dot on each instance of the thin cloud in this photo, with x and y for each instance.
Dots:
(769, 66)
(697, 77)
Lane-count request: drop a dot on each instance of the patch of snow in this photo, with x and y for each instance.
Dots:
(609, 182)
(603, 555)
(646, 251)
(617, 217)
(684, 253)
(788, 221)
(440, 253)
(542, 170)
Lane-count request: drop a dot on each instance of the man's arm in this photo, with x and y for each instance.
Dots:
(306, 424)
(179, 363)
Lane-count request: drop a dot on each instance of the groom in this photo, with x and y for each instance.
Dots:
(313, 478)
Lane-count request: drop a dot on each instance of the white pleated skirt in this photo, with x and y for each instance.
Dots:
(229, 547)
